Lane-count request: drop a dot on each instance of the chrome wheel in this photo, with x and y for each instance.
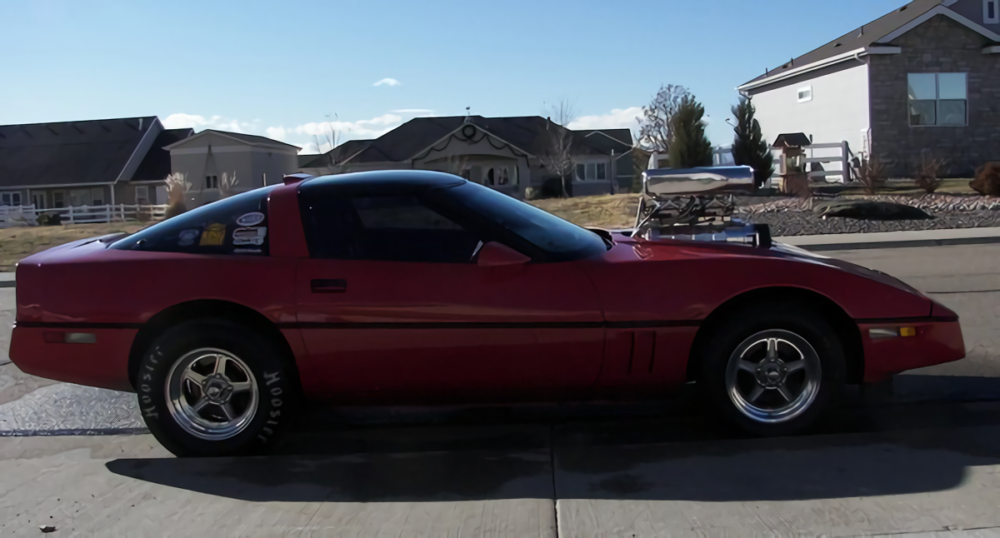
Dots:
(211, 394)
(773, 376)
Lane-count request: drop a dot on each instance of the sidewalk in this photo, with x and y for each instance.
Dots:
(922, 238)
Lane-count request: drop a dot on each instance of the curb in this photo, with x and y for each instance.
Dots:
(916, 243)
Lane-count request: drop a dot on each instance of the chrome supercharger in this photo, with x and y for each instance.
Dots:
(697, 204)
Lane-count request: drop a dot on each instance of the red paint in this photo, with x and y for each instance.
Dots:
(385, 332)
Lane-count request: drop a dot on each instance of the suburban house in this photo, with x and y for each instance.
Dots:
(508, 154)
(255, 161)
(126, 160)
(921, 81)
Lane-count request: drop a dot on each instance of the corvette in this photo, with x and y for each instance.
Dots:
(406, 287)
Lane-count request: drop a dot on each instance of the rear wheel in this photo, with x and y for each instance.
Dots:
(773, 371)
(211, 387)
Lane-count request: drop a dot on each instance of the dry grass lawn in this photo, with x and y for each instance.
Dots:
(605, 211)
(18, 243)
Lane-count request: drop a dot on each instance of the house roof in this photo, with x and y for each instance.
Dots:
(796, 140)
(248, 139)
(156, 164)
(335, 156)
(523, 133)
(859, 38)
(69, 153)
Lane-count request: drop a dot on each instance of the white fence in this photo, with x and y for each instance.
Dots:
(27, 215)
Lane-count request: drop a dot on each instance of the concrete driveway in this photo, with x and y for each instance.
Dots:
(927, 465)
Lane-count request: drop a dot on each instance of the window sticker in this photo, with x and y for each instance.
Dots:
(251, 219)
(247, 251)
(213, 236)
(187, 237)
(249, 236)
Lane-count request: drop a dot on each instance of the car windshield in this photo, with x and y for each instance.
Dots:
(559, 238)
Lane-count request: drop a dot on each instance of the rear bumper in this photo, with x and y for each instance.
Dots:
(935, 342)
(103, 363)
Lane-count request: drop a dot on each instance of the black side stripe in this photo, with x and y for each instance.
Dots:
(75, 325)
(889, 321)
(404, 325)
(494, 325)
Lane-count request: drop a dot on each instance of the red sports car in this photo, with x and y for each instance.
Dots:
(403, 287)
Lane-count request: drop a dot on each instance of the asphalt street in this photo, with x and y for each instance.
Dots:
(924, 460)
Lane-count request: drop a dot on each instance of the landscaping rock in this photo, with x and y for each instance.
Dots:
(987, 180)
(869, 210)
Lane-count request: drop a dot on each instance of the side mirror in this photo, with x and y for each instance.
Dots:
(494, 254)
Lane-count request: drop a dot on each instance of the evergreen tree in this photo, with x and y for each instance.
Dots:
(749, 148)
(690, 147)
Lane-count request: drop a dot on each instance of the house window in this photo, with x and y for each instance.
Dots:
(38, 200)
(211, 182)
(591, 171)
(58, 199)
(10, 198)
(142, 195)
(937, 99)
(805, 94)
(991, 11)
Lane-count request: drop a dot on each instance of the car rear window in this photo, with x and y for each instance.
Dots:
(236, 225)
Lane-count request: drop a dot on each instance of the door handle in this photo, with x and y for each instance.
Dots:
(327, 285)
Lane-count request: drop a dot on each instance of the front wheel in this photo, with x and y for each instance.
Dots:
(211, 387)
(773, 372)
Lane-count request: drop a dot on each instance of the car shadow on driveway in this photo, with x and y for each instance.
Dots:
(582, 461)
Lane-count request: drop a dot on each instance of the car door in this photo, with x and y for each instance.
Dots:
(392, 307)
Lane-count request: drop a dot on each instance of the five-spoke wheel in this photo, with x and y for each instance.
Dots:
(773, 376)
(212, 394)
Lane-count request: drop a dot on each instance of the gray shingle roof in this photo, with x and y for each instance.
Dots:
(68, 153)
(867, 35)
(525, 133)
(156, 163)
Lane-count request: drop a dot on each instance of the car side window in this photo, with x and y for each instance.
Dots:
(236, 225)
(398, 228)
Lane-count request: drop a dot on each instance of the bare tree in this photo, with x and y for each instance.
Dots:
(227, 185)
(655, 129)
(177, 189)
(558, 156)
(329, 136)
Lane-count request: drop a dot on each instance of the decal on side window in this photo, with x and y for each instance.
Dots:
(251, 219)
(186, 238)
(213, 236)
(249, 236)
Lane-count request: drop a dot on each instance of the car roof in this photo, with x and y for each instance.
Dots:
(382, 181)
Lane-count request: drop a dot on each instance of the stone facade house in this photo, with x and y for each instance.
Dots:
(508, 154)
(922, 81)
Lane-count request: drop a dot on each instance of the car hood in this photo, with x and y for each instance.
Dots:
(778, 250)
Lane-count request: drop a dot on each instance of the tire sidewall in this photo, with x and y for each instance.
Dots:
(736, 329)
(274, 383)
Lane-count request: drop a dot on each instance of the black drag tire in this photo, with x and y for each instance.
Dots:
(276, 387)
(729, 333)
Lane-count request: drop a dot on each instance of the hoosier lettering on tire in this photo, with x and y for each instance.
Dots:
(211, 387)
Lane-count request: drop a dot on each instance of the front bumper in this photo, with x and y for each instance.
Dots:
(103, 363)
(934, 342)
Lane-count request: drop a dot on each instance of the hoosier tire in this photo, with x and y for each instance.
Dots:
(211, 387)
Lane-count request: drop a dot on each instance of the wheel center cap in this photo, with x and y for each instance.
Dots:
(771, 373)
(217, 389)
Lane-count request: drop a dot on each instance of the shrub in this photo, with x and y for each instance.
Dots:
(987, 180)
(927, 172)
(871, 173)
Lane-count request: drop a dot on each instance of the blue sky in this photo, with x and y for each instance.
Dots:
(282, 68)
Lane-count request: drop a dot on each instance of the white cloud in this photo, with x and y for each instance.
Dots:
(618, 118)
(388, 82)
(277, 133)
(194, 121)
